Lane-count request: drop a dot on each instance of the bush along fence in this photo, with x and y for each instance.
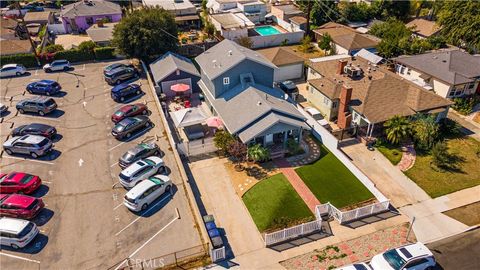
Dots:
(73, 55)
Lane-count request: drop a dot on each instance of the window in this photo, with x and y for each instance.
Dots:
(334, 104)
(408, 71)
(177, 72)
(470, 86)
(89, 20)
(326, 100)
(400, 69)
(226, 81)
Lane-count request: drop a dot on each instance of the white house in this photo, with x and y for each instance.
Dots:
(230, 25)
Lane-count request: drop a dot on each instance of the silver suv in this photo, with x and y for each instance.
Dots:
(32, 145)
(40, 105)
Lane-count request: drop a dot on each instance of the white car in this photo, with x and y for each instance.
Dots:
(355, 266)
(10, 70)
(16, 233)
(317, 116)
(147, 191)
(410, 257)
(57, 65)
(141, 170)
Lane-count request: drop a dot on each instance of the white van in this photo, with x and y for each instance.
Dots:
(16, 233)
(147, 191)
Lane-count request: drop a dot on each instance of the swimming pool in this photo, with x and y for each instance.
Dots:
(267, 30)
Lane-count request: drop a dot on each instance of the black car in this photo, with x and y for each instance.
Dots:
(130, 125)
(289, 88)
(114, 66)
(35, 129)
(140, 151)
(123, 91)
(120, 74)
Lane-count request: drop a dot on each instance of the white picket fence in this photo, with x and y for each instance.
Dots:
(218, 254)
(354, 214)
(292, 232)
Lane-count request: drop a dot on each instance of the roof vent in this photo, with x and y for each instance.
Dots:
(230, 52)
(259, 103)
(214, 63)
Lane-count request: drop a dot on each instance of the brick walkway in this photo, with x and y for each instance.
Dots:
(297, 183)
(408, 157)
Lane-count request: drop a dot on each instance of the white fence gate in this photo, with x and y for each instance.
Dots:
(218, 254)
(357, 213)
(292, 232)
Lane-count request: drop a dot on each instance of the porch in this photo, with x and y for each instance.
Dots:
(277, 142)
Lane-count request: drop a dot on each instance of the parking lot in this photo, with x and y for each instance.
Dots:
(85, 224)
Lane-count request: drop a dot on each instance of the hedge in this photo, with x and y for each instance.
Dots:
(104, 53)
(28, 60)
(74, 55)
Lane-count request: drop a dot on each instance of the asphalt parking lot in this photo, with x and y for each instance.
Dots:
(85, 224)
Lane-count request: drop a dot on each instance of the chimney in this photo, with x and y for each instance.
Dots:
(341, 65)
(100, 22)
(344, 116)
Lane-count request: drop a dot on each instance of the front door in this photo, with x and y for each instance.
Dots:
(269, 139)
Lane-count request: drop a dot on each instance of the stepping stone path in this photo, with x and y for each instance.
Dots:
(312, 153)
(408, 157)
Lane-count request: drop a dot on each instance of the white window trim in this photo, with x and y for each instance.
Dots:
(226, 80)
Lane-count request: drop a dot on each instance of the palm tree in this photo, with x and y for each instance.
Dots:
(397, 128)
(258, 153)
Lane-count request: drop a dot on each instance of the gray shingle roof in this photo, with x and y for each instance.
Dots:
(169, 63)
(452, 66)
(225, 55)
(92, 7)
(101, 34)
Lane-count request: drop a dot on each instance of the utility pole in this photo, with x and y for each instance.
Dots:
(309, 9)
(28, 33)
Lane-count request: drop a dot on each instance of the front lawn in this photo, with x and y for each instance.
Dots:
(391, 152)
(440, 182)
(274, 204)
(330, 181)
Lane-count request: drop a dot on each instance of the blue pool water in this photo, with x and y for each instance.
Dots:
(267, 30)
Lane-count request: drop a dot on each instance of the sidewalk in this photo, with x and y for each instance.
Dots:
(470, 128)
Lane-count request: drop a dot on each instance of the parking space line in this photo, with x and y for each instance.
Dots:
(116, 146)
(116, 207)
(113, 164)
(27, 159)
(135, 220)
(18, 257)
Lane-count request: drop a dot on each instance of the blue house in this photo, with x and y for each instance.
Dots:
(172, 69)
(238, 86)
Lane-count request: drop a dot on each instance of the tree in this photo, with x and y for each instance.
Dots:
(258, 153)
(460, 21)
(324, 11)
(425, 131)
(209, 29)
(222, 140)
(245, 42)
(306, 44)
(397, 128)
(87, 46)
(353, 12)
(440, 155)
(238, 151)
(325, 43)
(146, 33)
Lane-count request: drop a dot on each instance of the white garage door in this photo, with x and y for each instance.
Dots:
(166, 86)
(288, 72)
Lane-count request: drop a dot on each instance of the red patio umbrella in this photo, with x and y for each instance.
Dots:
(180, 87)
(214, 122)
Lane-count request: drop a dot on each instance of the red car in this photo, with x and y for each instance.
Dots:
(20, 206)
(18, 182)
(128, 111)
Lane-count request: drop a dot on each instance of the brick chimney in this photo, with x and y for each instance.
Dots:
(344, 116)
(340, 66)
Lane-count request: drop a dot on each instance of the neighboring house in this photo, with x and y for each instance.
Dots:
(171, 69)
(285, 12)
(237, 84)
(299, 23)
(423, 28)
(347, 40)
(15, 46)
(43, 17)
(290, 66)
(364, 95)
(101, 33)
(254, 11)
(449, 73)
(79, 16)
(230, 25)
(184, 11)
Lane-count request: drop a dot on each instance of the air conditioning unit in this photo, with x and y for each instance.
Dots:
(352, 71)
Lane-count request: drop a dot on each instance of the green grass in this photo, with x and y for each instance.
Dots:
(440, 182)
(391, 152)
(330, 181)
(274, 204)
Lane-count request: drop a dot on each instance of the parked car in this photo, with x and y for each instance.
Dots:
(35, 129)
(142, 150)
(356, 266)
(289, 88)
(32, 145)
(120, 74)
(10, 70)
(114, 66)
(412, 257)
(316, 115)
(129, 111)
(57, 65)
(40, 105)
(44, 87)
(147, 191)
(140, 170)
(20, 206)
(19, 182)
(3, 108)
(16, 233)
(123, 91)
(129, 125)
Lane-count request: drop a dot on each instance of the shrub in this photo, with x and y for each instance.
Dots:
(222, 140)
(245, 42)
(28, 60)
(74, 55)
(464, 105)
(103, 53)
(306, 45)
(258, 153)
(87, 46)
(53, 48)
(440, 156)
(294, 147)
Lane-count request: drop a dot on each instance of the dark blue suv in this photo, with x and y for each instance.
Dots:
(44, 87)
(122, 91)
